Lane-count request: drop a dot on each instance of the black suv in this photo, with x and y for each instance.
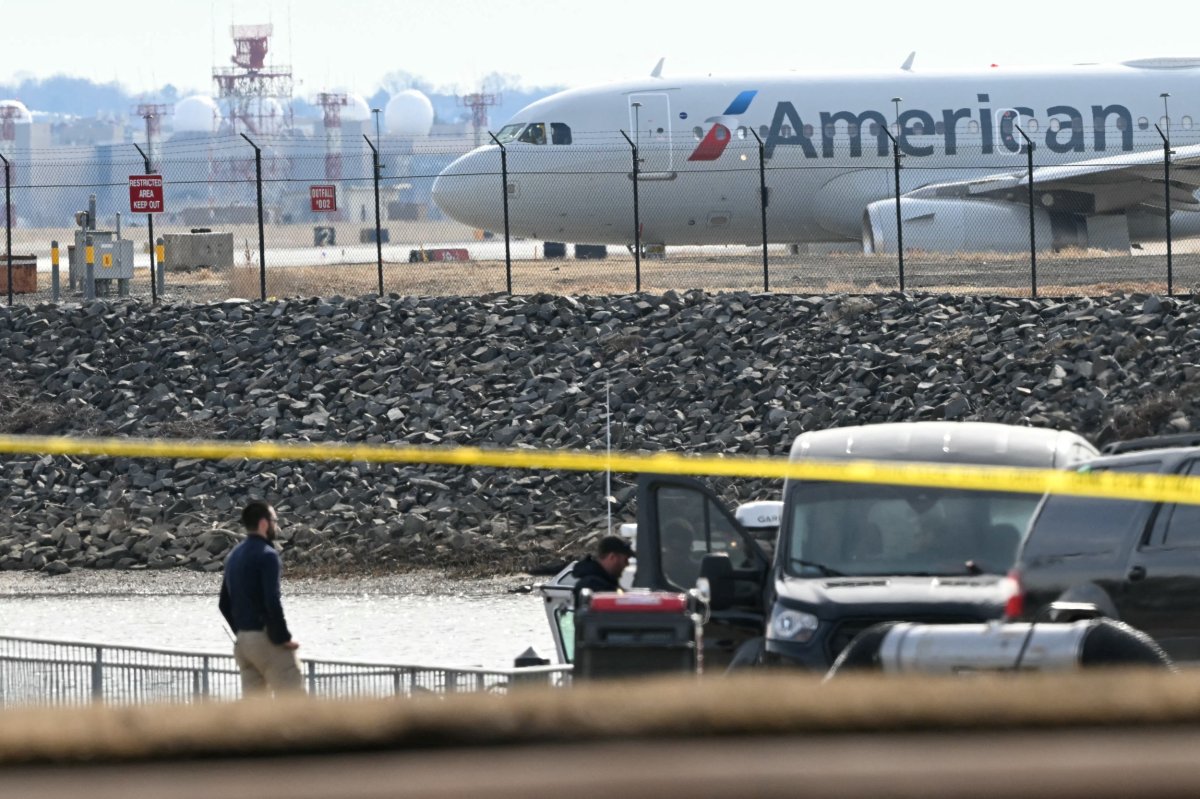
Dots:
(1134, 561)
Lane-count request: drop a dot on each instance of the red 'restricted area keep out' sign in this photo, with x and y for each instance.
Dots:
(146, 194)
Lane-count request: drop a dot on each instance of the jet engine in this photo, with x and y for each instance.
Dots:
(947, 226)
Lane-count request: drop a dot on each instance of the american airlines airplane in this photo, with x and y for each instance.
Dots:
(1098, 177)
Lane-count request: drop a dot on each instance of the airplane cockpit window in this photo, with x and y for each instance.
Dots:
(534, 133)
(509, 132)
(560, 133)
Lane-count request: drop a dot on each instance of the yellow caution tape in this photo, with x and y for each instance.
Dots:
(1100, 484)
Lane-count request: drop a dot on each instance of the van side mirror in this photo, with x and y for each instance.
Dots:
(718, 570)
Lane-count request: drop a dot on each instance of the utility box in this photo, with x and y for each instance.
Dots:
(200, 249)
(112, 256)
(636, 634)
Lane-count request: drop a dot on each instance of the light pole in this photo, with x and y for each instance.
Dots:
(375, 111)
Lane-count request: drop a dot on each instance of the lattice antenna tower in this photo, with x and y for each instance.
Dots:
(332, 104)
(248, 85)
(479, 102)
(153, 113)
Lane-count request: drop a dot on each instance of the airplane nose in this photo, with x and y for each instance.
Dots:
(470, 189)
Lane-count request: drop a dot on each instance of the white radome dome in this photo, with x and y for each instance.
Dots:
(357, 109)
(267, 113)
(409, 113)
(197, 114)
(22, 114)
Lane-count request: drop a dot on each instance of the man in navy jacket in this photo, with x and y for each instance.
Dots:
(250, 601)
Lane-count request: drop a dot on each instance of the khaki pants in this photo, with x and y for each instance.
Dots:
(266, 666)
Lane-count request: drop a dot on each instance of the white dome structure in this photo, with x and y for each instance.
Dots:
(357, 109)
(21, 115)
(267, 113)
(409, 113)
(197, 114)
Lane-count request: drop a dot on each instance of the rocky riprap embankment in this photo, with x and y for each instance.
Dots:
(695, 373)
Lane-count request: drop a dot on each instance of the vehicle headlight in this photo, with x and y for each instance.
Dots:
(792, 625)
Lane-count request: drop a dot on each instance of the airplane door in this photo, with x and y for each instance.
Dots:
(679, 522)
(650, 129)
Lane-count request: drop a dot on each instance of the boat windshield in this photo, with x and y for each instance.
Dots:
(871, 530)
(509, 132)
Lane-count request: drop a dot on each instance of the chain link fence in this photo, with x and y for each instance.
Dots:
(813, 211)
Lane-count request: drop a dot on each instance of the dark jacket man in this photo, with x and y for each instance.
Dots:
(602, 572)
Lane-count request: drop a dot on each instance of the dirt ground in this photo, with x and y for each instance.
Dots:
(831, 273)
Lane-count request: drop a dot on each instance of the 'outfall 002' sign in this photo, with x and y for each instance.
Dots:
(323, 198)
(146, 194)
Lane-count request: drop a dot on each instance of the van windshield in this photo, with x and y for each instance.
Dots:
(871, 530)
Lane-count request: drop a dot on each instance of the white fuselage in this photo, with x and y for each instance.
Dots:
(826, 152)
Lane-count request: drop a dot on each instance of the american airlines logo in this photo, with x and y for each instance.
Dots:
(995, 129)
(718, 136)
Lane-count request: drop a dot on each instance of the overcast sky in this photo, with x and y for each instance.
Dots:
(352, 44)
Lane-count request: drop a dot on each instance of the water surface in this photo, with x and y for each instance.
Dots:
(421, 618)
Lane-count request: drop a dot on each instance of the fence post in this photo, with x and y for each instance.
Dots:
(637, 219)
(150, 224)
(54, 279)
(160, 256)
(98, 675)
(1166, 202)
(504, 177)
(1032, 227)
(262, 245)
(8, 223)
(89, 272)
(312, 677)
(899, 217)
(762, 202)
(378, 227)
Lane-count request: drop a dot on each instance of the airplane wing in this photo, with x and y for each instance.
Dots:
(1096, 186)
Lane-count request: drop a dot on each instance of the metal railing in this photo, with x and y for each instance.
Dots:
(40, 672)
